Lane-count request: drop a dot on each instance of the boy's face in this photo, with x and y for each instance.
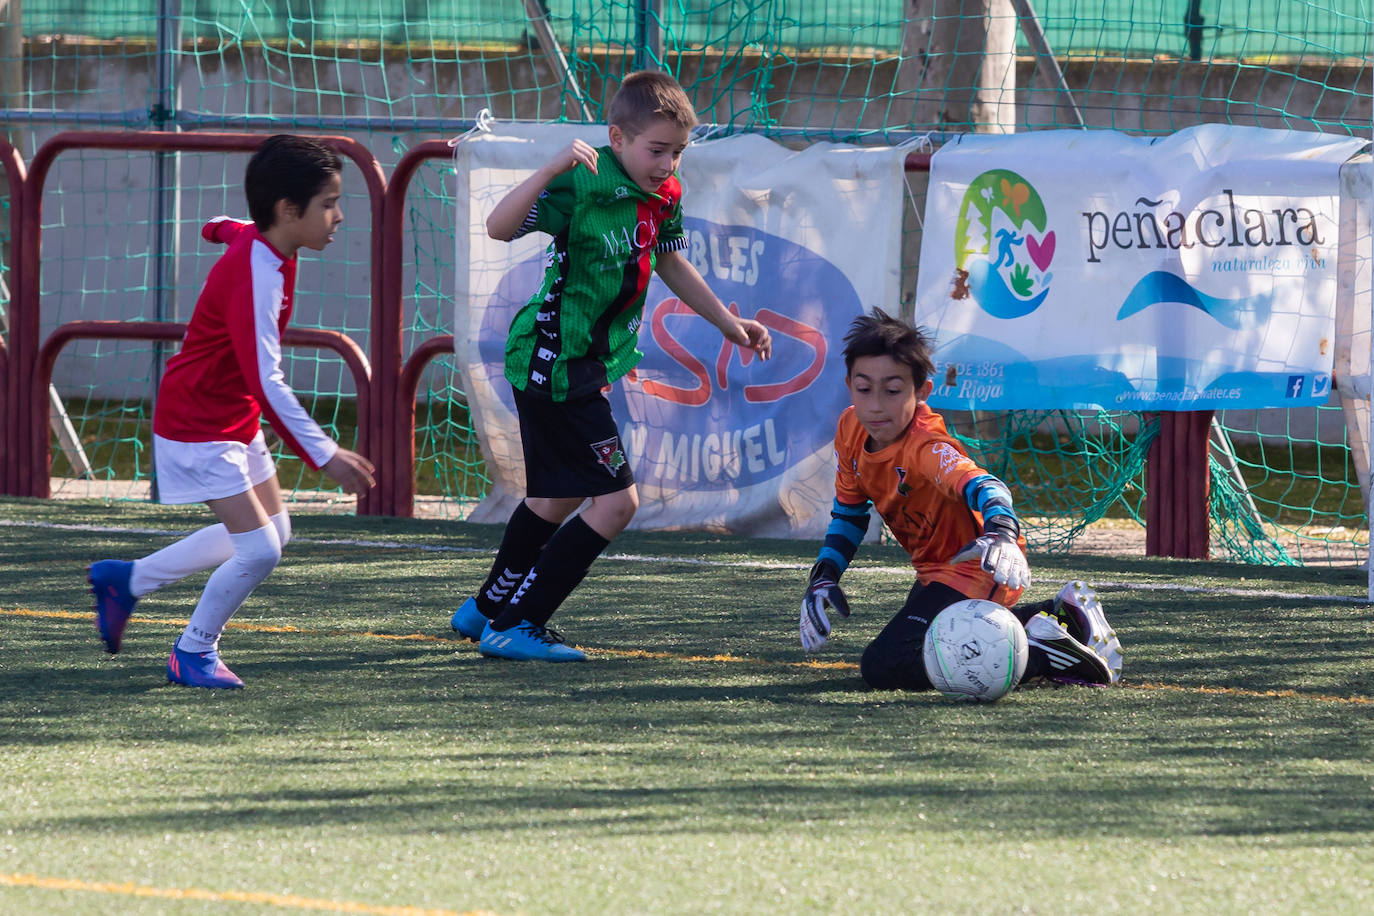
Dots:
(314, 227)
(884, 397)
(650, 156)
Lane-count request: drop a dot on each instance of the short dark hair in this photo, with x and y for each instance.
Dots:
(290, 167)
(646, 96)
(879, 334)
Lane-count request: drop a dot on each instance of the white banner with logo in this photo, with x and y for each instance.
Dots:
(803, 242)
(1090, 269)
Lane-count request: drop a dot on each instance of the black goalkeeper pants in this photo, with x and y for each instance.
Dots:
(894, 659)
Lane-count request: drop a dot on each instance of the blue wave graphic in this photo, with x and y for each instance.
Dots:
(996, 298)
(1161, 286)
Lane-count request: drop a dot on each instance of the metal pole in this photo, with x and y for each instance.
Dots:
(1044, 57)
(648, 35)
(1192, 25)
(548, 42)
(167, 188)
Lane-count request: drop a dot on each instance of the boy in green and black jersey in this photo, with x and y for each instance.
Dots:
(615, 214)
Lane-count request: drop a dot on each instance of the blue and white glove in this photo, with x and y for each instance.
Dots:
(822, 594)
(998, 552)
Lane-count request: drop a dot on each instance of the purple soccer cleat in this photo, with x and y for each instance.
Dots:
(200, 669)
(113, 603)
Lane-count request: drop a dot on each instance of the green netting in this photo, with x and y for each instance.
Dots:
(392, 73)
(1207, 29)
(1285, 488)
(1067, 469)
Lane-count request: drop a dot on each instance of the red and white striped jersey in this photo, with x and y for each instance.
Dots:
(228, 372)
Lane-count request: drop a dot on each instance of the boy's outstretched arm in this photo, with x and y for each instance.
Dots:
(847, 526)
(996, 549)
(508, 215)
(682, 278)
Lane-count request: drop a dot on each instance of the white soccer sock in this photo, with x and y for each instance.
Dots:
(282, 522)
(198, 551)
(256, 554)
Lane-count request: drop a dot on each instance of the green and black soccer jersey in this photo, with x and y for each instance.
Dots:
(579, 331)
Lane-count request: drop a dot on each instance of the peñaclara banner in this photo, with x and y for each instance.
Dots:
(1094, 270)
(801, 241)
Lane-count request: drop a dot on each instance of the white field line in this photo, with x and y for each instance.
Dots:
(696, 561)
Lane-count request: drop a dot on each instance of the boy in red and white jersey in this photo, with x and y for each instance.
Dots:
(894, 454)
(208, 444)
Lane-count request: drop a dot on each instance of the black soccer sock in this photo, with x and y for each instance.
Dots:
(562, 565)
(524, 539)
(1024, 612)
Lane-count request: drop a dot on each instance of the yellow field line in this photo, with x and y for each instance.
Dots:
(1271, 694)
(129, 889)
(814, 664)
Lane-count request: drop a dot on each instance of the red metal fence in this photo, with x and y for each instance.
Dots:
(1176, 507)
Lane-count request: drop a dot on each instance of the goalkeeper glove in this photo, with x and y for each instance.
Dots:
(998, 552)
(822, 593)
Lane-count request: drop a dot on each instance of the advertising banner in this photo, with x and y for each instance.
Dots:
(1094, 270)
(803, 242)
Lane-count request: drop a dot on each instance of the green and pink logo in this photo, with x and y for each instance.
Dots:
(1002, 251)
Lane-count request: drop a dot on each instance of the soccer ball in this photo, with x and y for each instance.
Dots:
(975, 650)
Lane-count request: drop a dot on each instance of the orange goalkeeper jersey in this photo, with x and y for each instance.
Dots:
(917, 485)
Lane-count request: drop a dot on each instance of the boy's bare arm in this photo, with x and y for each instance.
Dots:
(682, 278)
(507, 216)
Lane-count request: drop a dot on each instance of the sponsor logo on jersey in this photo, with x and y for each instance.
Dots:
(949, 457)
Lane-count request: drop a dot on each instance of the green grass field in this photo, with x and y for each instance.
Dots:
(698, 763)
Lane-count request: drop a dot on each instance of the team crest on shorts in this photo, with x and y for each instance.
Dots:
(609, 454)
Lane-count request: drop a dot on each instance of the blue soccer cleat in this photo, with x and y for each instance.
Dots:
(113, 603)
(469, 621)
(200, 669)
(528, 642)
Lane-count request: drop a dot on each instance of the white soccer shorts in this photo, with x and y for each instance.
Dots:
(192, 472)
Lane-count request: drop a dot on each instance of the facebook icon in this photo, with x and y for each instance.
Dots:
(1294, 386)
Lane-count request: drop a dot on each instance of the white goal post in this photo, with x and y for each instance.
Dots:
(1354, 316)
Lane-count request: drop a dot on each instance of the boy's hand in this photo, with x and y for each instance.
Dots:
(999, 553)
(351, 471)
(823, 592)
(756, 338)
(576, 151)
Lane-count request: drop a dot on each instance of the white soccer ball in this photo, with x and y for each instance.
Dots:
(975, 650)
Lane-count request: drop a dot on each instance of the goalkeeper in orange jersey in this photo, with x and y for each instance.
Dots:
(893, 453)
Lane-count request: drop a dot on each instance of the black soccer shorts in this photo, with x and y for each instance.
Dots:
(572, 448)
